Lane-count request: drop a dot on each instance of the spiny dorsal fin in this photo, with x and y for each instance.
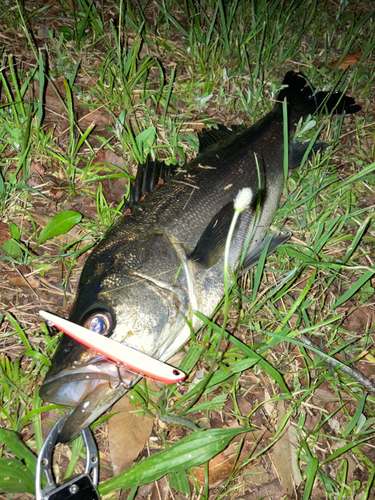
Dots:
(148, 177)
(211, 244)
(209, 136)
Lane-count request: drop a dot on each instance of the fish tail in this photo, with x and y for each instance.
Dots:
(303, 99)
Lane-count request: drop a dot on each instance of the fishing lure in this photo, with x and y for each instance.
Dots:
(119, 353)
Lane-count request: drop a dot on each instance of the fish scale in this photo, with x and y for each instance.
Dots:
(164, 260)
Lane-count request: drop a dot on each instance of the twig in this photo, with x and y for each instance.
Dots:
(356, 374)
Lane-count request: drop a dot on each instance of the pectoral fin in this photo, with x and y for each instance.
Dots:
(211, 244)
(274, 240)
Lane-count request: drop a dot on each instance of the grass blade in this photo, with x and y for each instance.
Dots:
(59, 224)
(191, 451)
(354, 288)
(353, 421)
(310, 473)
(17, 446)
(15, 477)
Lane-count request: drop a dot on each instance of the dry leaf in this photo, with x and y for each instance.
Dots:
(284, 455)
(56, 194)
(348, 60)
(18, 279)
(55, 96)
(269, 406)
(113, 189)
(269, 490)
(108, 156)
(221, 465)
(128, 433)
(37, 168)
(359, 319)
(4, 233)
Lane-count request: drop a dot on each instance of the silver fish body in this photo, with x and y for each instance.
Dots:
(162, 262)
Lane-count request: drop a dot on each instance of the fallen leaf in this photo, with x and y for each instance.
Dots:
(37, 168)
(222, 464)
(219, 467)
(348, 60)
(284, 456)
(108, 156)
(18, 279)
(49, 418)
(56, 194)
(269, 406)
(267, 490)
(359, 319)
(84, 205)
(4, 233)
(55, 96)
(113, 189)
(128, 433)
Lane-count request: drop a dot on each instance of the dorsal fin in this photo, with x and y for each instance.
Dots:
(209, 136)
(149, 176)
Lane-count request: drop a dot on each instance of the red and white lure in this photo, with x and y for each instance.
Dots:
(134, 360)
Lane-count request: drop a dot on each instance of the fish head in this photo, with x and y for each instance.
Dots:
(140, 303)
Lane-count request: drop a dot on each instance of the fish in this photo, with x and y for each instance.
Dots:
(164, 258)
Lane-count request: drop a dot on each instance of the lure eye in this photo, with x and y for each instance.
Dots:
(99, 322)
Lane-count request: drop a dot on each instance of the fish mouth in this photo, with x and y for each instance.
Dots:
(92, 388)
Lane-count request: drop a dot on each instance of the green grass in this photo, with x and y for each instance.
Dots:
(159, 74)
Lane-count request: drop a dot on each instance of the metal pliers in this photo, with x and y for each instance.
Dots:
(81, 487)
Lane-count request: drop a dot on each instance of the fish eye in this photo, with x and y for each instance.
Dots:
(99, 322)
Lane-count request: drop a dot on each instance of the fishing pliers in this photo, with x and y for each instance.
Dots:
(81, 487)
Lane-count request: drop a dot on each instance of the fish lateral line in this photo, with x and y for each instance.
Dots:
(131, 358)
(140, 280)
